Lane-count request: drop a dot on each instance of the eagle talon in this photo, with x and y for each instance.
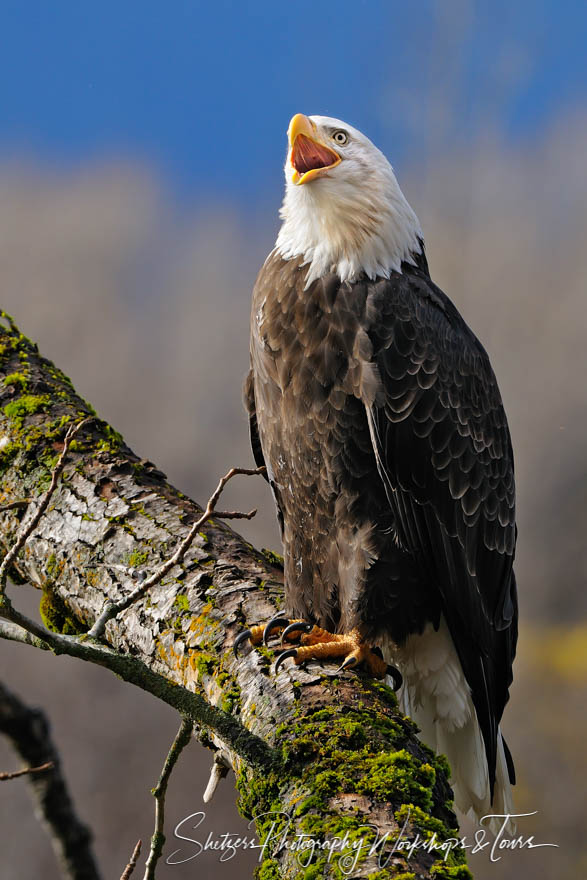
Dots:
(291, 652)
(298, 626)
(397, 677)
(275, 622)
(244, 636)
(349, 663)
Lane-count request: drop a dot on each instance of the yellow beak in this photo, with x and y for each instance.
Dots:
(309, 156)
(300, 124)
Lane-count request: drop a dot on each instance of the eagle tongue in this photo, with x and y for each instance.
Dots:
(307, 154)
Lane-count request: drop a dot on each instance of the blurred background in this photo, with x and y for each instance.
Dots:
(141, 147)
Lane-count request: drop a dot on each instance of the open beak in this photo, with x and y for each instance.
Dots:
(309, 156)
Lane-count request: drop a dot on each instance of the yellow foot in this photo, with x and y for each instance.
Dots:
(261, 633)
(319, 644)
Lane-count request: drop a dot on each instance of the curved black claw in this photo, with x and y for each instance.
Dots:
(276, 621)
(283, 656)
(398, 678)
(347, 664)
(242, 637)
(299, 626)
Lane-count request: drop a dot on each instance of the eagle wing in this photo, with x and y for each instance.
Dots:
(249, 398)
(443, 451)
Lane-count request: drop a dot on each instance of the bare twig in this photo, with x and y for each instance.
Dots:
(112, 609)
(28, 731)
(27, 531)
(48, 765)
(181, 740)
(220, 768)
(14, 505)
(133, 862)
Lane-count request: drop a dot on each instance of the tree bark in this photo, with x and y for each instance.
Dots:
(314, 754)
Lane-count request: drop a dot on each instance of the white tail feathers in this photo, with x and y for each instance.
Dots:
(437, 697)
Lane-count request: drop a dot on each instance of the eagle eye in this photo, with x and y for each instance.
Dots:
(341, 137)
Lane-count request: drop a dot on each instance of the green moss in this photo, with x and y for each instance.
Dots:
(442, 763)
(137, 558)
(399, 773)
(333, 751)
(231, 699)
(314, 872)
(268, 870)
(111, 441)
(26, 405)
(352, 832)
(52, 567)
(424, 822)
(441, 871)
(381, 875)
(7, 455)
(19, 380)
(266, 653)
(273, 558)
(182, 602)
(204, 663)
(56, 615)
(384, 874)
(429, 827)
(35, 438)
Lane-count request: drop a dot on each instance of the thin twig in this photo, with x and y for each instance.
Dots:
(112, 609)
(219, 770)
(133, 862)
(27, 531)
(13, 505)
(181, 740)
(48, 765)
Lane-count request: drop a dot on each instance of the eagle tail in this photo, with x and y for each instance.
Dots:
(437, 697)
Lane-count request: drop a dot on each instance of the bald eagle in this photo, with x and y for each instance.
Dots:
(378, 417)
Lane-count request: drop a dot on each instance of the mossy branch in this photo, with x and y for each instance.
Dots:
(326, 757)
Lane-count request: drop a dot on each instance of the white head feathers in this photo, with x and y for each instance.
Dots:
(349, 218)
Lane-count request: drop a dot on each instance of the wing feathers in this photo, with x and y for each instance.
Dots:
(443, 450)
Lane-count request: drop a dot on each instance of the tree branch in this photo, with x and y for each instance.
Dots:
(113, 609)
(29, 733)
(26, 771)
(25, 533)
(333, 753)
(182, 738)
(133, 862)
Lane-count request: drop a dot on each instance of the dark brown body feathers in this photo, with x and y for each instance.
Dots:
(379, 418)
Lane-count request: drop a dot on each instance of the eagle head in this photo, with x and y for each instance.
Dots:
(343, 210)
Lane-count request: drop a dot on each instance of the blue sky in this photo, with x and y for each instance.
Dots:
(204, 91)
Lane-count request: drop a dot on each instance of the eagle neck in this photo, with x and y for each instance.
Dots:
(348, 231)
